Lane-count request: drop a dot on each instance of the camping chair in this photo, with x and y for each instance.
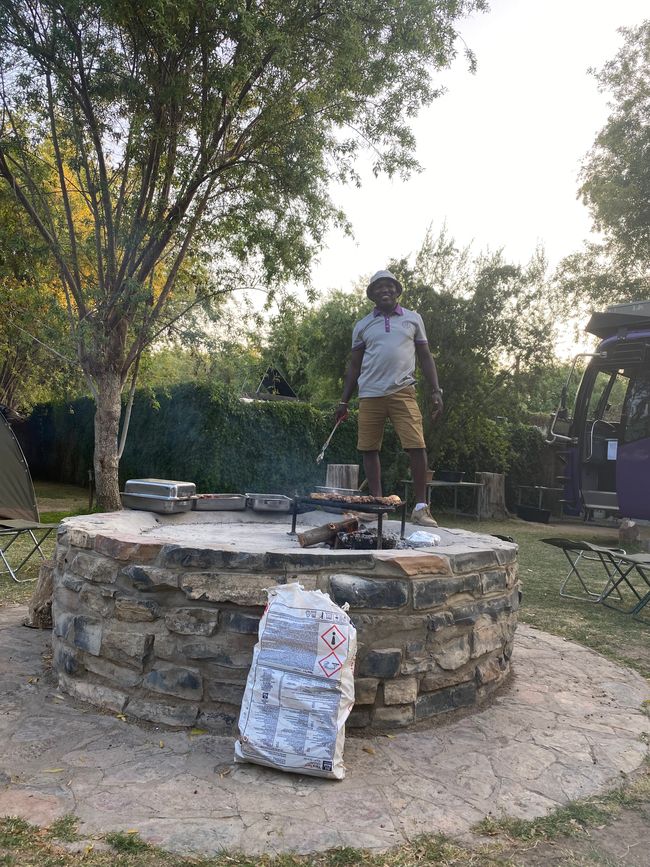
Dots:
(628, 568)
(10, 532)
(19, 518)
(582, 555)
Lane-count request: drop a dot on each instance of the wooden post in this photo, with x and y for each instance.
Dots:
(344, 476)
(491, 498)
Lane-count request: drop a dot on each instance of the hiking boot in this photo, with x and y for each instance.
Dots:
(423, 518)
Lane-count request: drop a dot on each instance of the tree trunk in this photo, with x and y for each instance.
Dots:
(107, 426)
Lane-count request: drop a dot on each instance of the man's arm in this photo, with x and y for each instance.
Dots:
(430, 372)
(350, 382)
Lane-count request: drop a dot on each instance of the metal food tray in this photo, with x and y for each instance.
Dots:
(160, 488)
(218, 502)
(269, 502)
(153, 503)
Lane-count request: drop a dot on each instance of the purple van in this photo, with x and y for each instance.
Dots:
(608, 436)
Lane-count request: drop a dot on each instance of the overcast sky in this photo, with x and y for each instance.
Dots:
(501, 149)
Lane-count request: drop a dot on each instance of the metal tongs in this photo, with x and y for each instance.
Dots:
(327, 442)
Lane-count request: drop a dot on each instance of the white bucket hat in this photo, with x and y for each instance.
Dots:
(384, 275)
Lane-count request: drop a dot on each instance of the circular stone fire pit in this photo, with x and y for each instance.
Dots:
(156, 616)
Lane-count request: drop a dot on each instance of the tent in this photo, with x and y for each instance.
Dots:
(18, 510)
(274, 383)
(17, 498)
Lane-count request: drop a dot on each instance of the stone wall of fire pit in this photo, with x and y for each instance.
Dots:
(163, 630)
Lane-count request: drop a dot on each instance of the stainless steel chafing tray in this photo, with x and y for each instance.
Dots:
(218, 502)
(153, 503)
(160, 487)
(268, 502)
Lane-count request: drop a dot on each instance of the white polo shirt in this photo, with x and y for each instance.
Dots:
(389, 350)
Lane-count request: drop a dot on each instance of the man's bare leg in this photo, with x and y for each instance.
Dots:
(418, 459)
(372, 467)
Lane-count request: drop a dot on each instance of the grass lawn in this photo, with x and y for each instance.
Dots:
(54, 497)
(580, 834)
(54, 503)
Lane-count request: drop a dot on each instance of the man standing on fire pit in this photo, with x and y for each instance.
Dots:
(385, 344)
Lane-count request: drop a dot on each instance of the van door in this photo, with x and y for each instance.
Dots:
(603, 394)
(633, 460)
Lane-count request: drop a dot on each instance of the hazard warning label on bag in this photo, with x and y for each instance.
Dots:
(333, 637)
(331, 664)
(295, 639)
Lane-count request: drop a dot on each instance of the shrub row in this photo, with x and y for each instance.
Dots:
(208, 436)
(227, 444)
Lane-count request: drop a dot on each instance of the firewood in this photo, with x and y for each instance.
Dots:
(327, 532)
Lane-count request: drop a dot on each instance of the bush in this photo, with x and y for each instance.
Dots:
(483, 445)
(528, 455)
(473, 444)
(205, 435)
(223, 443)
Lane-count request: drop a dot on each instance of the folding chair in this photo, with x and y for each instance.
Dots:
(19, 516)
(13, 530)
(627, 568)
(585, 554)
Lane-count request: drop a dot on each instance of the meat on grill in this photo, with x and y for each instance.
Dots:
(393, 500)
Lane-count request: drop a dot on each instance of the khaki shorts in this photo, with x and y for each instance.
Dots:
(403, 411)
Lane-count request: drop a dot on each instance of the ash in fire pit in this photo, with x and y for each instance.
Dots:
(366, 540)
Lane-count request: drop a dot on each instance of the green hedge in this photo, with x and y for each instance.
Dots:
(208, 436)
(58, 441)
(532, 462)
(223, 443)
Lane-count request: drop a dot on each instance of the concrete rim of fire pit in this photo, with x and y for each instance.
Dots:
(271, 532)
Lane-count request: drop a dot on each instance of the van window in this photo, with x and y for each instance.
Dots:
(637, 409)
(613, 409)
(607, 396)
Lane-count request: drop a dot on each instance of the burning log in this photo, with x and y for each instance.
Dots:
(327, 533)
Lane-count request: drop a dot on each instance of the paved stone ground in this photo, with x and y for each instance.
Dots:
(569, 725)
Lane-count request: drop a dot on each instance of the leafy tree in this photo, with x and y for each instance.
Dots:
(490, 325)
(312, 344)
(616, 185)
(34, 361)
(616, 174)
(540, 387)
(235, 365)
(196, 128)
(596, 276)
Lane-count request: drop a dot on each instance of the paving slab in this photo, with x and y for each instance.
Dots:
(568, 725)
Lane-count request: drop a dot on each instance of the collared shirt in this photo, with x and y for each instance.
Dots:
(389, 350)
